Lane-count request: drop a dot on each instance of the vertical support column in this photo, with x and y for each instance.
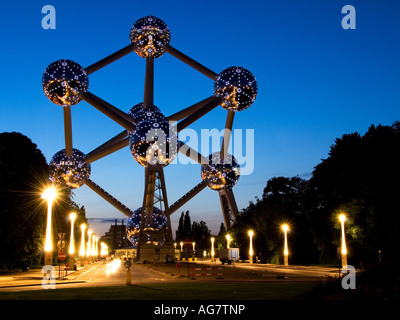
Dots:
(68, 130)
(153, 173)
(149, 83)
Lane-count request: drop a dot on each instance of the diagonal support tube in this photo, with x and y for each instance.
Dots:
(189, 110)
(105, 151)
(109, 59)
(188, 196)
(109, 110)
(194, 64)
(198, 114)
(192, 154)
(109, 198)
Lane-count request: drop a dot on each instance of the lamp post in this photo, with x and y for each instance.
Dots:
(228, 240)
(285, 229)
(212, 249)
(50, 195)
(342, 219)
(71, 251)
(89, 250)
(251, 233)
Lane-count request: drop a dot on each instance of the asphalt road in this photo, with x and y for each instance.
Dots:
(103, 274)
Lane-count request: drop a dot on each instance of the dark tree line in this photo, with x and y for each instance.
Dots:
(196, 231)
(24, 174)
(360, 178)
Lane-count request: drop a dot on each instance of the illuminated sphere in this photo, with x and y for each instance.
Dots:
(73, 170)
(63, 80)
(138, 113)
(220, 174)
(156, 222)
(237, 86)
(154, 141)
(150, 34)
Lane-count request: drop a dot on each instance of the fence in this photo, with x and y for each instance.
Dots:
(210, 271)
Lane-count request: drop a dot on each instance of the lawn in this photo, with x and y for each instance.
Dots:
(173, 291)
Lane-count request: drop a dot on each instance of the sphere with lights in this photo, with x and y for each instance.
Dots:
(153, 142)
(74, 169)
(63, 80)
(220, 173)
(237, 86)
(138, 113)
(156, 222)
(150, 35)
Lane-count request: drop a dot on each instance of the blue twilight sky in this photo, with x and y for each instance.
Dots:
(316, 82)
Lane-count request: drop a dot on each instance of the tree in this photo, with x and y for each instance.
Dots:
(184, 227)
(23, 174)
(360, 178)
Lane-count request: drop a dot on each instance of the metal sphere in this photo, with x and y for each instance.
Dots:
(221, 174)
(73, 170)
(150, 34)
(63, 80)
(154, 141)
(237, 86)
(156, 222)
(138, 113)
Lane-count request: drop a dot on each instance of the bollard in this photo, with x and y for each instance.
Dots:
(127, 265)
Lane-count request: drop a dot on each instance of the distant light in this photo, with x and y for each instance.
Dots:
(342, 218)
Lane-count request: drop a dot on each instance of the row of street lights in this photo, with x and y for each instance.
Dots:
(285, 229)
(88, 249)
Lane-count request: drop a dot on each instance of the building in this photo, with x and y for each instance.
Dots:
(116, 237)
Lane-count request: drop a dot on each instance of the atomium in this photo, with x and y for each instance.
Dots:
(151, 136)
(156, 222)
(237, 86)
(138, 113)
(153, 142)
(63, 80)
(72, 169)
(151, 35)
(220, 173)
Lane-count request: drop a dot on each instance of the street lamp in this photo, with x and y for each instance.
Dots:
(89, 250)
(82, 250)
(194, 245)
(228, 240)
(93, 251)
(251, 245)
(285, 229)
(50, 195)
(181, 246)
(212, 249)
(342, 219)
(72, 217)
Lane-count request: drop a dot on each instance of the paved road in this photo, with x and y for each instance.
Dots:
(101, 274)
(97, 274)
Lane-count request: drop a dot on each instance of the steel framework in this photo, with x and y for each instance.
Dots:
(66, 83)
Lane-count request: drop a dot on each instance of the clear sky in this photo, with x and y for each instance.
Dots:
(316, 82)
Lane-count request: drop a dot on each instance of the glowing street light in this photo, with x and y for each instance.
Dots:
(72, 217)
(228, 240)
(181, 246)
(82, 250)
(212, 248)
(104, 249)
(89, 249)
(50, 195)
(285, 229)
(194, 245)
(342, 219)
(251, 233)
(93, 250)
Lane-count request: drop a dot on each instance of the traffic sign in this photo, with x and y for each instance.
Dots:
(187, 242)
(61, 255)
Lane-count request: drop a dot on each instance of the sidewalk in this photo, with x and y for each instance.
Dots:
(34, 277)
